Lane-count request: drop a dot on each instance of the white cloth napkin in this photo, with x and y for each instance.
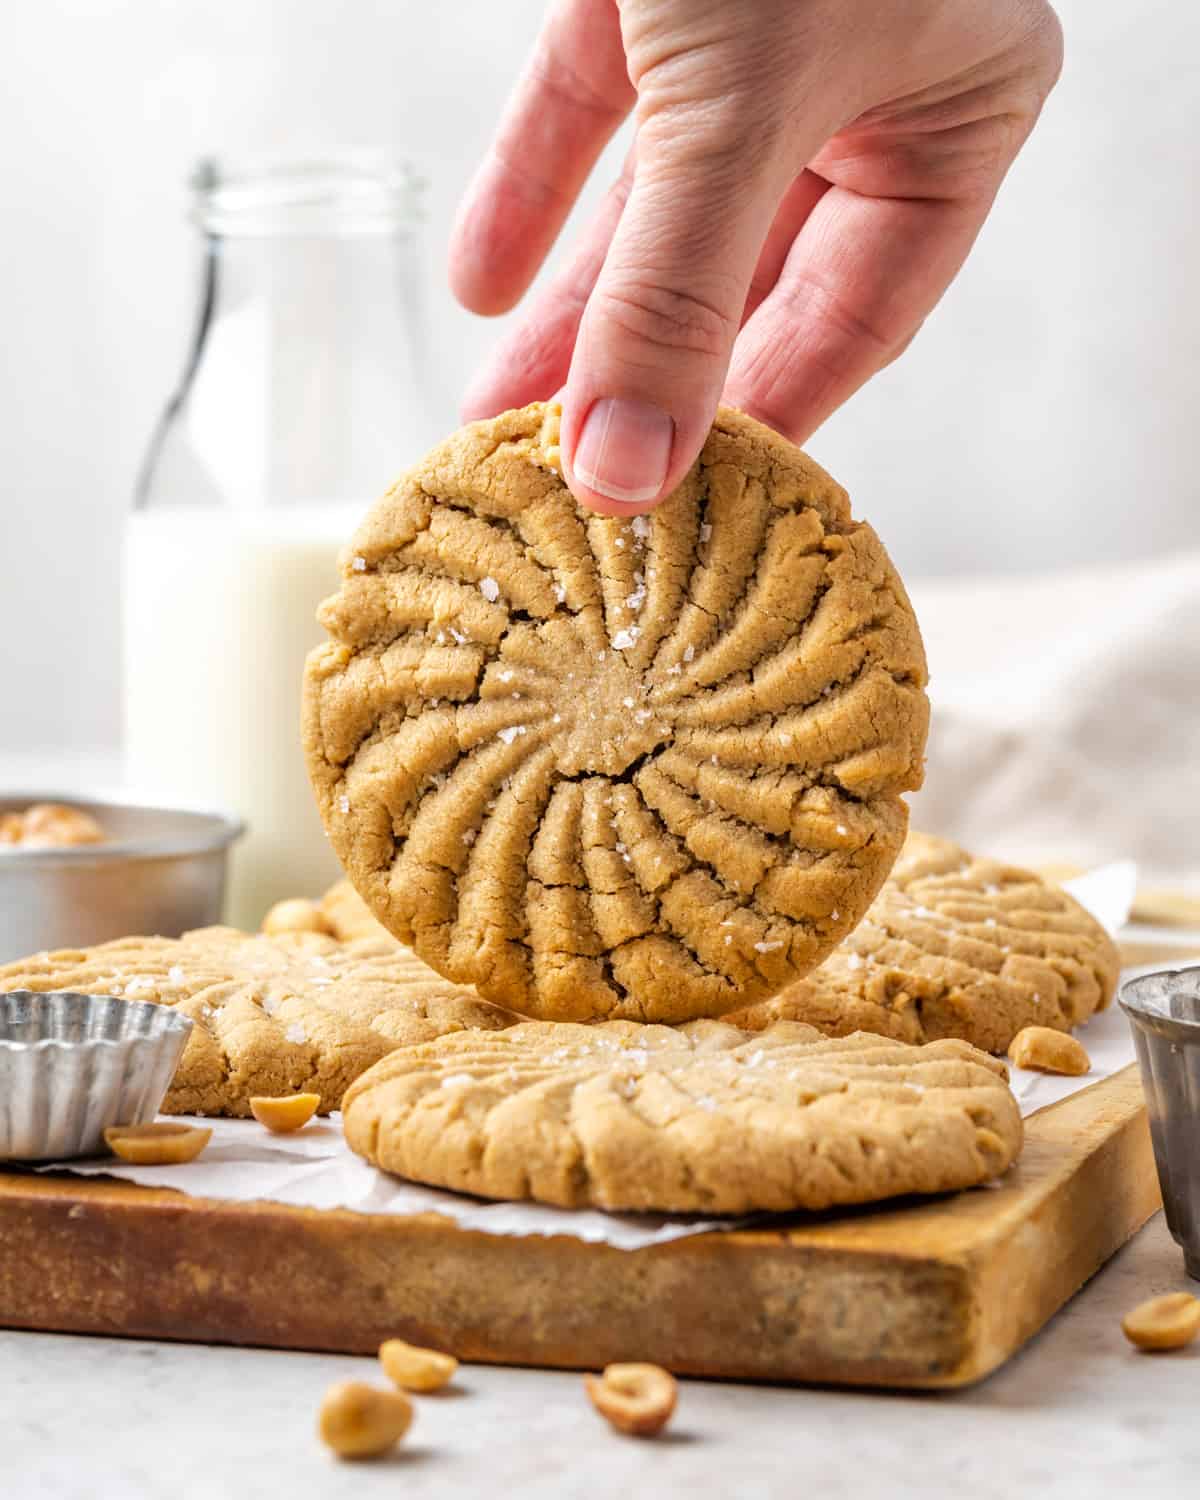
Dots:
(1066, 716)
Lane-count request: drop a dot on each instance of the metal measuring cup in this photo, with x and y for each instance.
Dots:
(1164, 1016)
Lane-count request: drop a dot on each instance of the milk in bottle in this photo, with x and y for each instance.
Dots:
(301, 401)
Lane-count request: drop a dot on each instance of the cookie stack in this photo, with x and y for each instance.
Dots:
(630, 772)
(626, 777)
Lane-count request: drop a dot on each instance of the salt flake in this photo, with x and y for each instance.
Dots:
(490, 589)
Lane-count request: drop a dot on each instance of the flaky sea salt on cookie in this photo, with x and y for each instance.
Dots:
(602, 768)
(956, 946)
(273, 1015)
(695, 1118)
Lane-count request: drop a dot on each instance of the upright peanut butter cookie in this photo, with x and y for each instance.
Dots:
(690, 1119)
(956, 946)
(646, 769)
(273, 1015)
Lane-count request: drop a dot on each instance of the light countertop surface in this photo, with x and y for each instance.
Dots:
(1078, 1413)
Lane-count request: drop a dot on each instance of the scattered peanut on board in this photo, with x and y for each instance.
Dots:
(285, 1114)
(160, 1144)
(1049, 1051)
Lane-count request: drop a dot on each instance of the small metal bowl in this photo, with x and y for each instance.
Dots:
(72, 1064)
(1164, 1015)
(159, 872)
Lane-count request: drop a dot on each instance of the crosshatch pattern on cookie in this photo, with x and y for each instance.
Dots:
(288, 1014)
(956, 946)
(648, 768)
(695, 1118)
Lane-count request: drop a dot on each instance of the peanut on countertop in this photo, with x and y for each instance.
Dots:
(358, 1420)
(1161, 1323)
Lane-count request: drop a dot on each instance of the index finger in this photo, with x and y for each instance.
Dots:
(569, 102)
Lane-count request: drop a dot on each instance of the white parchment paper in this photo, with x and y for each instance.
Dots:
(316, 1169)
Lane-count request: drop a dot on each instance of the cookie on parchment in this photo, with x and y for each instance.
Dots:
(697, 1118)
(648, 768)
(273, 1015)
(956, 946)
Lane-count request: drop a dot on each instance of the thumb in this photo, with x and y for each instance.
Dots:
(657, 334)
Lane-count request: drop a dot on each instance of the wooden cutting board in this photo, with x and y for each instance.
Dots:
(922, 1294)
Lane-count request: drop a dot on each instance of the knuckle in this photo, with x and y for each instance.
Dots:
(852, 328)
(669, 320)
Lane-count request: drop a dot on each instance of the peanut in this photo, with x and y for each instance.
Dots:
(362, 1421)
(296, 915)
(1049, 1051)
(637, 1399)
(1167, 1322)
(286, 1114)
(415, 1369)
(52, 825)
(157, 1144)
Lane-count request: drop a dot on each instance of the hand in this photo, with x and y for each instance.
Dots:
(807, 177)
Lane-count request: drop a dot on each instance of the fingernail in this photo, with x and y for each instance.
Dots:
(624, 450)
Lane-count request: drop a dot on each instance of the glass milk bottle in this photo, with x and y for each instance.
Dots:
(303, 396)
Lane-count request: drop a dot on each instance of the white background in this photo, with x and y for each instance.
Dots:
(1047, 414)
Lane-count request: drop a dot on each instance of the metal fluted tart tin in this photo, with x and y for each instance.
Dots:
(72, 1064)
(1164, 1015)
